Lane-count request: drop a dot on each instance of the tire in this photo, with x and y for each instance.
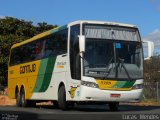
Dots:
(62, 98)
(17, 95)
(114, 106)
(23, 102)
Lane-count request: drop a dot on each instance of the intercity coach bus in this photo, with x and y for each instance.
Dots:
(81, 62)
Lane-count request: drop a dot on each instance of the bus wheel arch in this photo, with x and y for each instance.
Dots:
(60, 85)
(22, 87)
(16, 90)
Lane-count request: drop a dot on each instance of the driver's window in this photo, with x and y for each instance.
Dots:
(75, 65)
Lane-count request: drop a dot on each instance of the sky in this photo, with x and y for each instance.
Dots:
(143, 13)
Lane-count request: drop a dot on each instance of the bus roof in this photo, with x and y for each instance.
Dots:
(101, 22)
(70, 24)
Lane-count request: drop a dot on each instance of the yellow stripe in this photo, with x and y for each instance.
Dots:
(108, 85)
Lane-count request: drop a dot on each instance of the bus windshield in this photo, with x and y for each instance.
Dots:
(113, 59)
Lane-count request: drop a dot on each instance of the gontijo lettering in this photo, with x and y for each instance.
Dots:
(27, 68)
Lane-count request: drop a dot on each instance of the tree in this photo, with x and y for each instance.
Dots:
(13, 30)
(152, 69)
(44, 27)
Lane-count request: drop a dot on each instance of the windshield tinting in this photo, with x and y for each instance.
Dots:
(113, 59)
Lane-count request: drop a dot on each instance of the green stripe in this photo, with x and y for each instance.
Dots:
(119, 84)
(40, 76)
(129, 84)
(44, 74)
(48, 74)
(123, 84)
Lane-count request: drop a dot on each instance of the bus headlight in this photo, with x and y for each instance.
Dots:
(137, 86)
(89, 84)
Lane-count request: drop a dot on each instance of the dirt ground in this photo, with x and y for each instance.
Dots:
(5, 101)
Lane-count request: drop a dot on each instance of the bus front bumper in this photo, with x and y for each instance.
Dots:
(96, 94)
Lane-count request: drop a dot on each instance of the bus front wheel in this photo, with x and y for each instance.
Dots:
(62, 98)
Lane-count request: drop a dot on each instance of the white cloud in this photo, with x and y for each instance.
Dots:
(155, 37)
(2, 17)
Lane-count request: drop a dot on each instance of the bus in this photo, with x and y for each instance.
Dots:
(91, 62)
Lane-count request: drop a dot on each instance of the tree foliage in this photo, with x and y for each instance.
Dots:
(152, 69)
(13, 30)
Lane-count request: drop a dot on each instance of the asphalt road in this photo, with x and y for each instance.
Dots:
(86, 112)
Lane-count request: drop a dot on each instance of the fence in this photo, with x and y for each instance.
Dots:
(151, 91)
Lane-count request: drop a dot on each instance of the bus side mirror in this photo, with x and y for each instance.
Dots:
(81, 43)
(150, 49)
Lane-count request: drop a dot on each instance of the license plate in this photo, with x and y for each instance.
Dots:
(115, 95)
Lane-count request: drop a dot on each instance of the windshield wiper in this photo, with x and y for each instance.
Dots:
(109, 70)
(121, 61)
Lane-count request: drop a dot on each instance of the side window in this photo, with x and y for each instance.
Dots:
(37, 49)
(56, 44)
(61, 41)
(17, 55)
(27, 52)
(74, 53)
(33, 51)
(49, 47)
(14, 58)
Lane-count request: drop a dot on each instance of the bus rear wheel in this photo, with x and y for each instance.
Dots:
(113, 106)
(22, 98)
(18, 104)
(62, 103)
(24, 102)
